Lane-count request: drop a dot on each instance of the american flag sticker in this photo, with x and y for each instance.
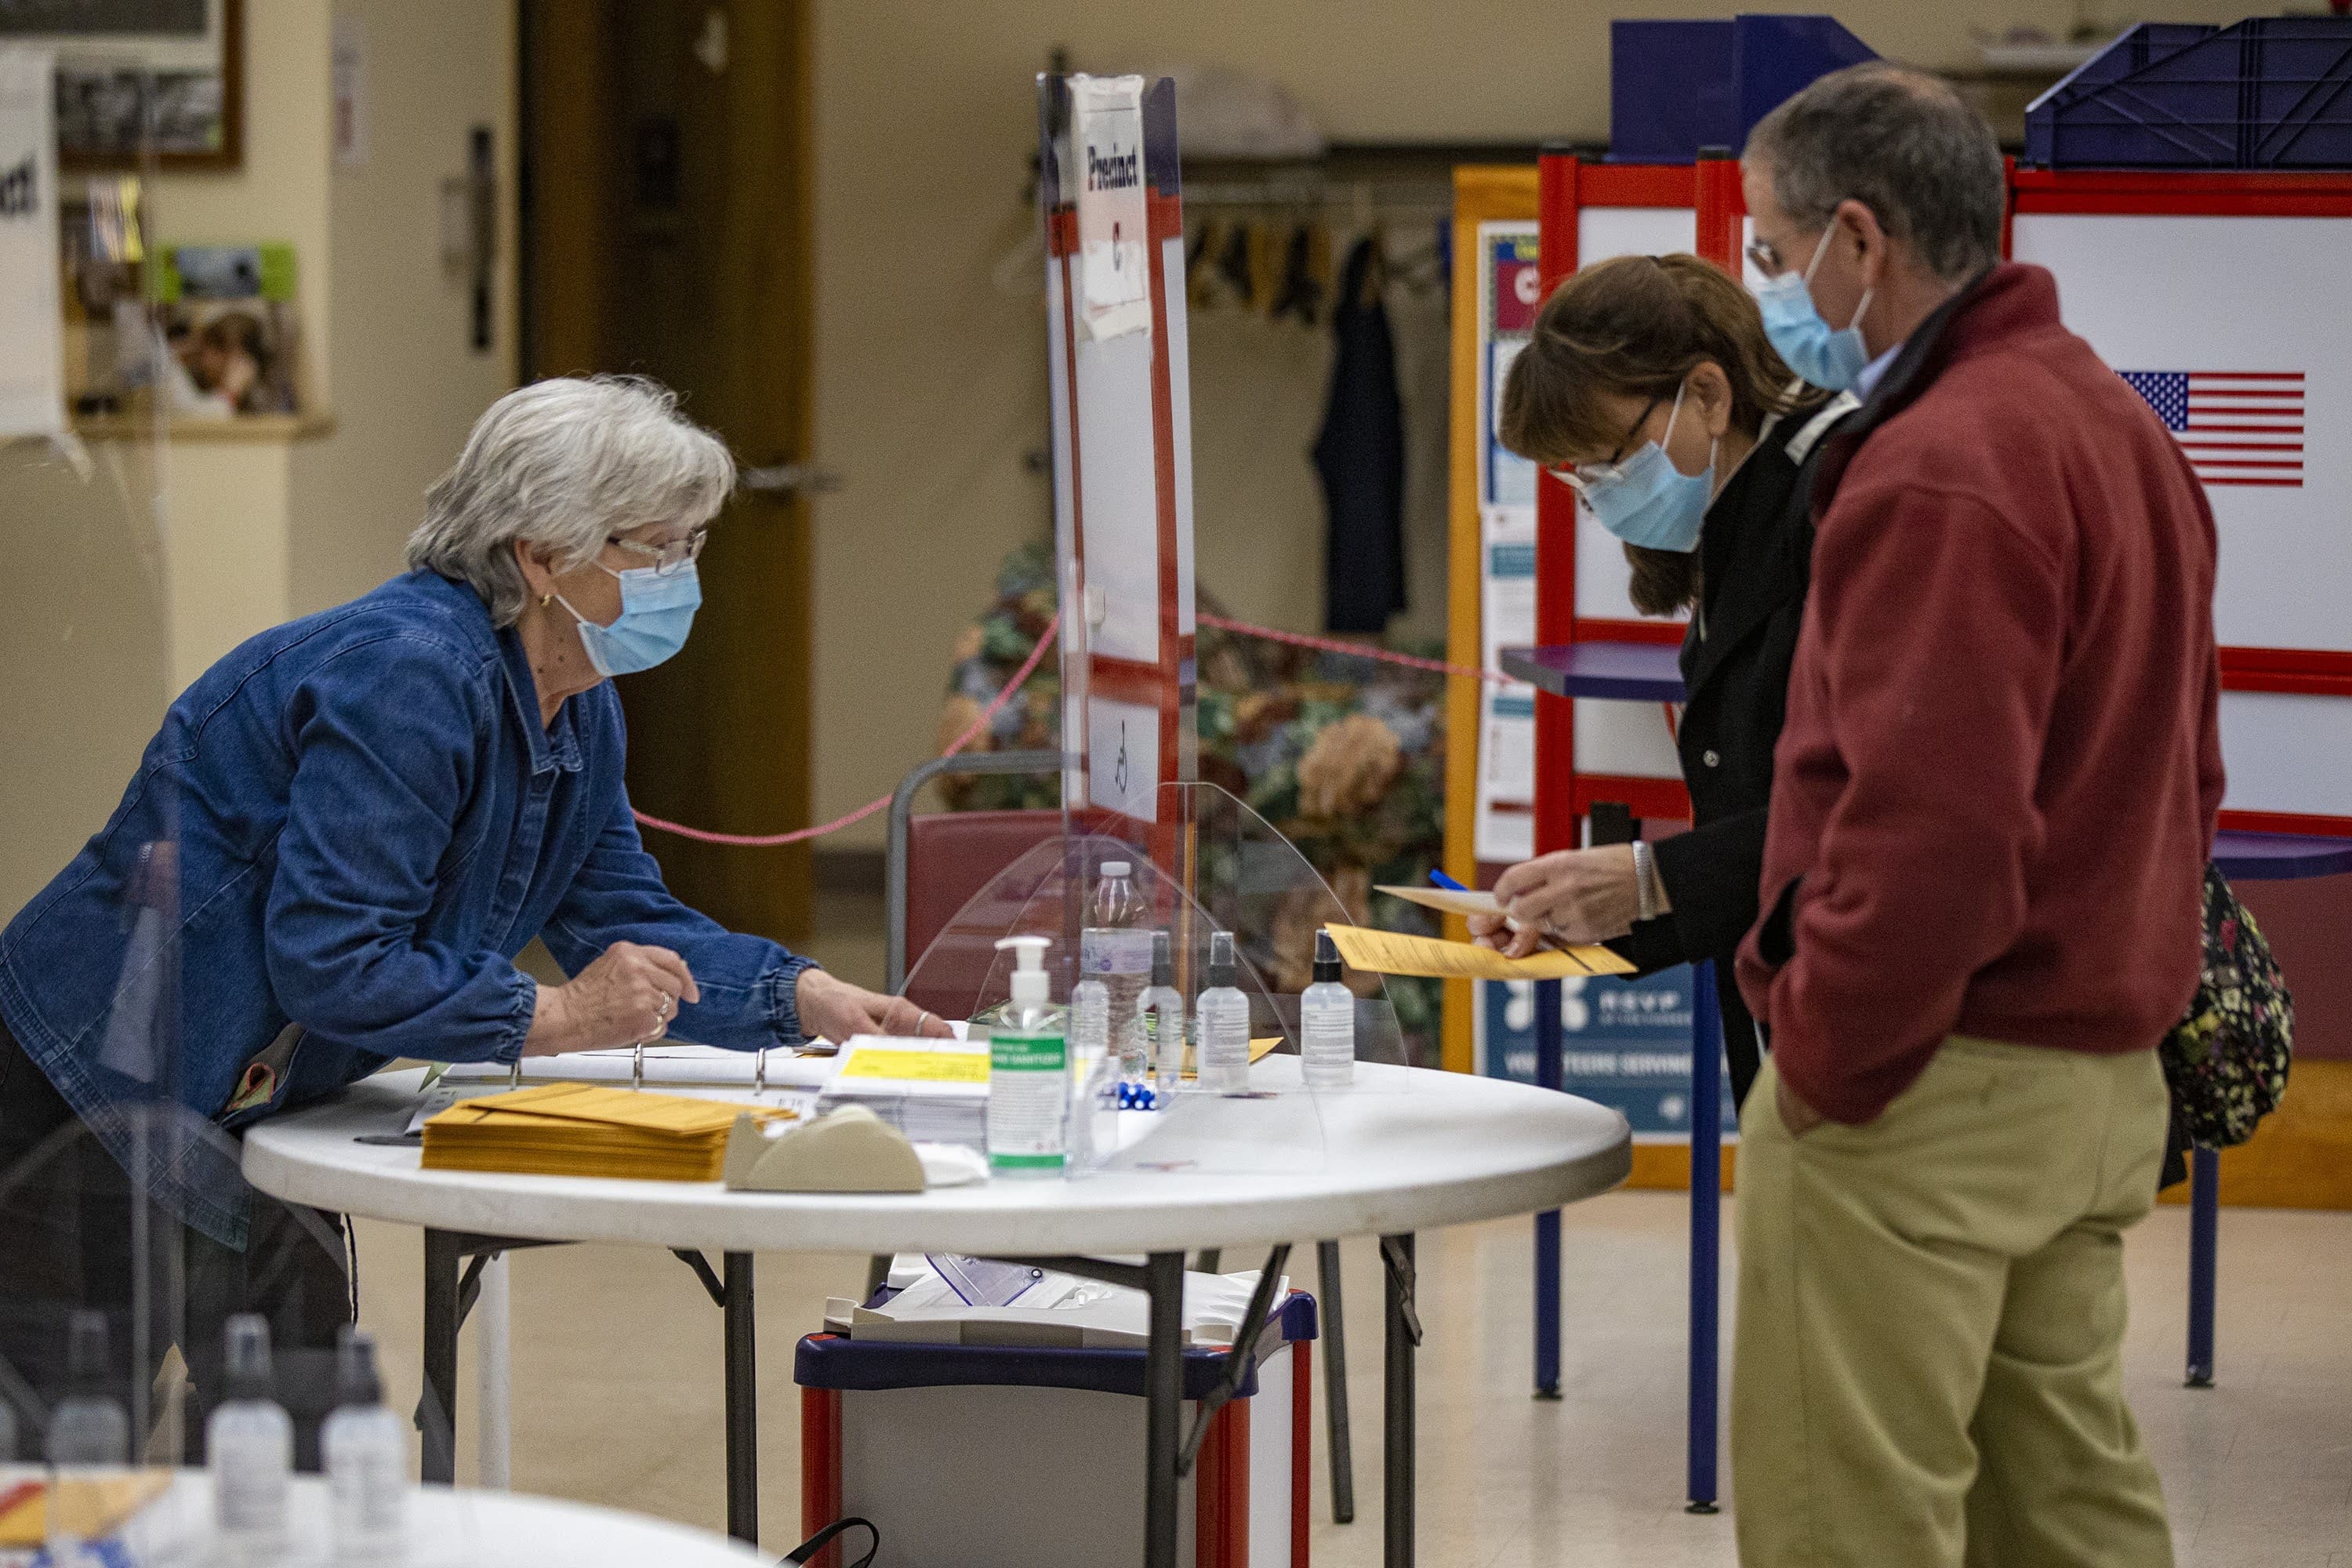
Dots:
(2238, 427)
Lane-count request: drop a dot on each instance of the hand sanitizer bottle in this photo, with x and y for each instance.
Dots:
(366, 1448)
(1028, 1072)
(1160, 1011)
(1326, 1022)
(249, 1443)
(1225, 1024)
(89, 1439)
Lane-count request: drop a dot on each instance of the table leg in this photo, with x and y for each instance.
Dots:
(1335, 1383)
(1707, 1216)
(2204, 1252)
(1163, 1389)
(742, 1402)
(1550, 1074)
(437, 1409)
(494, 1367)
(1403, 1334)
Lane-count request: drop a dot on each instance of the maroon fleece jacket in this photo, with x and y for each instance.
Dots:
(1994, 794)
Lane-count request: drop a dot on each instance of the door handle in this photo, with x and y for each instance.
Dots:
(781, 480)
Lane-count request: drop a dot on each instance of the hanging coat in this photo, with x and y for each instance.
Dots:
(1360, 457)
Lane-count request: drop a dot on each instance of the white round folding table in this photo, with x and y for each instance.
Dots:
(1402, 1151)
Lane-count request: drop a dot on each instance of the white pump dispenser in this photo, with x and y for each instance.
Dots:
(1028, 1071)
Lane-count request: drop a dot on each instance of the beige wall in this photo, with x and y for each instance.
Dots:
(104, 615)
(929, 382)
(408, 383)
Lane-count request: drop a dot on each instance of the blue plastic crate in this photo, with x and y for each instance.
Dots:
(1677, 87)
(2273, 93)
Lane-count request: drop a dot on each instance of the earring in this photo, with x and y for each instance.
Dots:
(545, 600)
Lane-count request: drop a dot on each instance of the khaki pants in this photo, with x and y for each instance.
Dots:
(1931, 1316)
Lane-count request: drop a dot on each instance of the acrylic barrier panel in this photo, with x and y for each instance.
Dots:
(125, 1236)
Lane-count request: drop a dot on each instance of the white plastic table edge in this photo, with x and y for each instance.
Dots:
(1406, 1149)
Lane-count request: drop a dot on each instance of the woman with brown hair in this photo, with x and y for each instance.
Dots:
(1648, 386)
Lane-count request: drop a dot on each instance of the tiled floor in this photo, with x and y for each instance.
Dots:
(616, 1393)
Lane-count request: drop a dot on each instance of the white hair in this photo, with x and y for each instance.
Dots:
(565, 463)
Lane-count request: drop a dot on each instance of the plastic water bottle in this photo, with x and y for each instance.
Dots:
(250, 1444)
(1091, 1070)
(89, 1435)
(366, 1449)
(1326, 1022)
(1161, 1014)
(1115, 948)
(1224, 1023)
(1029, 1072)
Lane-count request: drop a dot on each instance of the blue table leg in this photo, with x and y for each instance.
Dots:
(2204, 1244)
(1548, 1075)
(1706, 1214)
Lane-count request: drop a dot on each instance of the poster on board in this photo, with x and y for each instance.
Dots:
(32, 370)
(1626, 1044)
(1509, 292)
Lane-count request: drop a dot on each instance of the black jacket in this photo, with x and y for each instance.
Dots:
(1755, 563)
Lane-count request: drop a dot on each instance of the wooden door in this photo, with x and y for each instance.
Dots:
(667, 233)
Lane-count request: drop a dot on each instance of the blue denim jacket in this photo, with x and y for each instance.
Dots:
(370, 821)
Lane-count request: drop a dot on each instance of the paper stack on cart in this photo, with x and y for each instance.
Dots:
(584, 1130)
(934, 1092)
(1053, 1310)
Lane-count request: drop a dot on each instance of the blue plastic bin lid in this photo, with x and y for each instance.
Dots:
(1677, 87)
(833, 1360)
(2267, 93)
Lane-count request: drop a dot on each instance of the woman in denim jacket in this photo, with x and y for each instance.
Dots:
(334, 850)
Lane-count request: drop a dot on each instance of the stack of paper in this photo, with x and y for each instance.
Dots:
(583, 1129)
(1057, 1310)
(934, 1092)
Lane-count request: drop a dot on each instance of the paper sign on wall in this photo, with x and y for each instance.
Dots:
(31, 367)
(1114, 264)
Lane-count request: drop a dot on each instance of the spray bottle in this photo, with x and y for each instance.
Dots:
(89, 1439)
(249, 1443)
(1224, 1023)
(366, 1449)
(1160, 1011)
(1028, 1071)
(1326, 1022)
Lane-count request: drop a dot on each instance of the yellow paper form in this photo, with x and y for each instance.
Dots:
(1393, 952)
(917, 1066)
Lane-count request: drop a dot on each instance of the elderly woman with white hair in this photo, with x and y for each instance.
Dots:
(335, 848)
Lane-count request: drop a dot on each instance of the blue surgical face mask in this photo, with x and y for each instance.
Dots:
(1830, 360)
(1646, 499)
(656, 612)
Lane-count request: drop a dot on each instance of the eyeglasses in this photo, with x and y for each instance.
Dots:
(1578, 476)
(671, 558)
(1765, 258)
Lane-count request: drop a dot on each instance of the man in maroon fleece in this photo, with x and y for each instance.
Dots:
(1992, 803)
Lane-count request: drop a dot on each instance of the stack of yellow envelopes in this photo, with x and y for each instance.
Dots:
(585, 1129)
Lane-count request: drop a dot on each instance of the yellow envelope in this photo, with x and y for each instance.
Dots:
(1393, 952)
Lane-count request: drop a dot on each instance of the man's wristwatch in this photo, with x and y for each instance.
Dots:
(1645, 881)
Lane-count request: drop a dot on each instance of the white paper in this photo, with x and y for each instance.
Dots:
(1114, 219)
(350, 122)
(32, 362)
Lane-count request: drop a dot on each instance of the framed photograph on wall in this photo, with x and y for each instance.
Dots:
(130, 68)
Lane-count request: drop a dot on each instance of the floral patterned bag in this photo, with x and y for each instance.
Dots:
(2226, 1060)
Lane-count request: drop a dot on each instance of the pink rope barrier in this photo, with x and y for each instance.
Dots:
(1020, 677)
(769, 840)
(1354, 649)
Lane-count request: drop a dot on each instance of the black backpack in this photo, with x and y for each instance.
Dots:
(2226, 1062)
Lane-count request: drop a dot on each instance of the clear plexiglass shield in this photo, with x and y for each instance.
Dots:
(1206, 867)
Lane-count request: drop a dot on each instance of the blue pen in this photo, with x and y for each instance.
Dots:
(1448, 883)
